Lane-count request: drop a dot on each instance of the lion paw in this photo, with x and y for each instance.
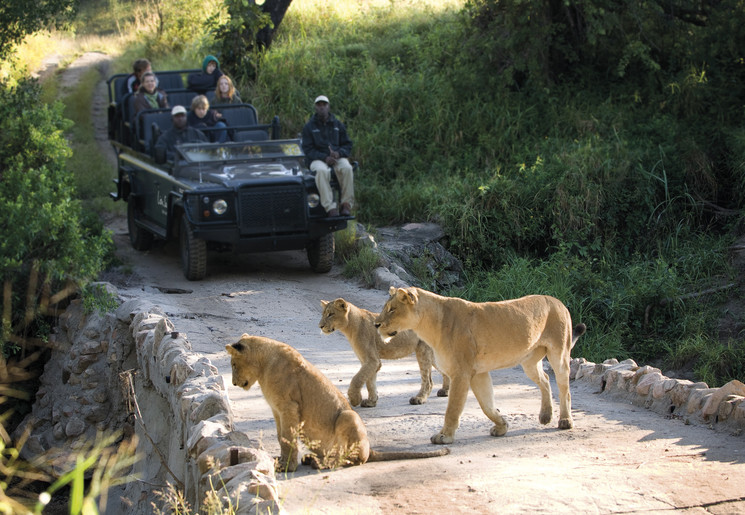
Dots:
(441, 439)
(417, 400)
(566, 423)
(442, 392)
(354, 398)
(545, 417)
(498, 430)
(311, 460)
(281, 465)
(368, 403)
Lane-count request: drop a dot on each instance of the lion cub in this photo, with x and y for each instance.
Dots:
(358, 326)
(303, 399)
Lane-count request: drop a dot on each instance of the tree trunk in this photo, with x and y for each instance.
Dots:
(276, 9)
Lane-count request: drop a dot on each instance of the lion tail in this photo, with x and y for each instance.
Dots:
(578, 331)
(405, 455)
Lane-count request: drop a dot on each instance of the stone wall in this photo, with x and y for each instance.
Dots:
(131, 371)
(721, 408)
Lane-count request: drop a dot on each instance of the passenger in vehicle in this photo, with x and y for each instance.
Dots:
(206, 80)
(179, 133)
(327, 147)
(225, 93)
(139, 68)
(202, 117)
(149, 96)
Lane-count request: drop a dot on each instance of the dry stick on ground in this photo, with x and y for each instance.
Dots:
(127, 377)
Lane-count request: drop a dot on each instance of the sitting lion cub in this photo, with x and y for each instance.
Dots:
(358, 326)
(471, 338)
(304, 400)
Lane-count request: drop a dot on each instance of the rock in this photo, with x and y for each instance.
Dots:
(75, 427)
(413, 246)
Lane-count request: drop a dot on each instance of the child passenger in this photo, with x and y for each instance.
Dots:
(206, 80)
(202, 117)
(225, 93)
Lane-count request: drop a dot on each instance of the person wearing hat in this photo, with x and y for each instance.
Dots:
(327, 147)
(179, 133)
(206, 80)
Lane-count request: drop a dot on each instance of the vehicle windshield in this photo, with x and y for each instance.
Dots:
(241, 151)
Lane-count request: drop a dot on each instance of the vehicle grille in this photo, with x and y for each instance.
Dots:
(272, 210)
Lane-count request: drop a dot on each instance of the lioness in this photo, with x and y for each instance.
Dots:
(470, 339)
(358, 326)
(304, 400)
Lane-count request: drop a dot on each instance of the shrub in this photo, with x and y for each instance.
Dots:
(45, 246)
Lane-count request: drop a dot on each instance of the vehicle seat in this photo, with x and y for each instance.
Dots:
(150, 124)
(243, 122)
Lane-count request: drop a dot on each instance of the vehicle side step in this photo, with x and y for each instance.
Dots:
(151, 227)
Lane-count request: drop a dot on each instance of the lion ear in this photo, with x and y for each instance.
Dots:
(245, 336)
(234, 349)
(324, 303)
(341, 304)
(406, 295)
(391, 291)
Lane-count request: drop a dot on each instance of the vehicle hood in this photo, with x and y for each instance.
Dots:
(231, 174)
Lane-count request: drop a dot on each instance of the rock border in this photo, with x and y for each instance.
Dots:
(718, 408)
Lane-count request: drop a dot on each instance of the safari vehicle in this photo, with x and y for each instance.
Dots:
(252, 194)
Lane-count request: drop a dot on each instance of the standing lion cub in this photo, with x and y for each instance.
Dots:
(358, 326)
(304, 401)
(472, 338)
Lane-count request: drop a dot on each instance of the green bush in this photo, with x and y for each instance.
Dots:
(46, 244)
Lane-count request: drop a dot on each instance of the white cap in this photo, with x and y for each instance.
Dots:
(322, 98)
(178, 110)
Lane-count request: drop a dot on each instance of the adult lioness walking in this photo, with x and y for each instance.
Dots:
(470, 339)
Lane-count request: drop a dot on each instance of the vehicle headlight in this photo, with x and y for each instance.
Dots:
(313, 200)
(219, 206)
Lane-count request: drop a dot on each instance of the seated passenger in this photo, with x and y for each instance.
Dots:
(179, 133)
(327, 148)
(206, 80)
(202, 117)
(149, 96)
(139, 68)
(225, 93)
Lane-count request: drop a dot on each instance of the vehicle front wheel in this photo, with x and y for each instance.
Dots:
(193, 252)
(321, 253)
(140, 238)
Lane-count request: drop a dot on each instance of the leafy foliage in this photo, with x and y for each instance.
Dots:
(46, 240)
(18, 18)
(235, 36)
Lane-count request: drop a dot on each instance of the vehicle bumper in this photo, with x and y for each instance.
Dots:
(270, 241)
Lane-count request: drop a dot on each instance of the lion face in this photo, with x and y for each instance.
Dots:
(244, 373)
(334, 315)
(396, 315)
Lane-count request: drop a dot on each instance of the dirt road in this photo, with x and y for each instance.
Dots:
(618, 458)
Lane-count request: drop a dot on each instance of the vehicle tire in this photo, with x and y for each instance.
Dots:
(140, 238)
(193, 252)
(321, 253)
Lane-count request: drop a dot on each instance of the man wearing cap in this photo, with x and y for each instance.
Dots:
(327, 147)
(179, 133)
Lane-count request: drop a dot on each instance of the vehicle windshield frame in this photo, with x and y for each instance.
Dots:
(239, 151)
